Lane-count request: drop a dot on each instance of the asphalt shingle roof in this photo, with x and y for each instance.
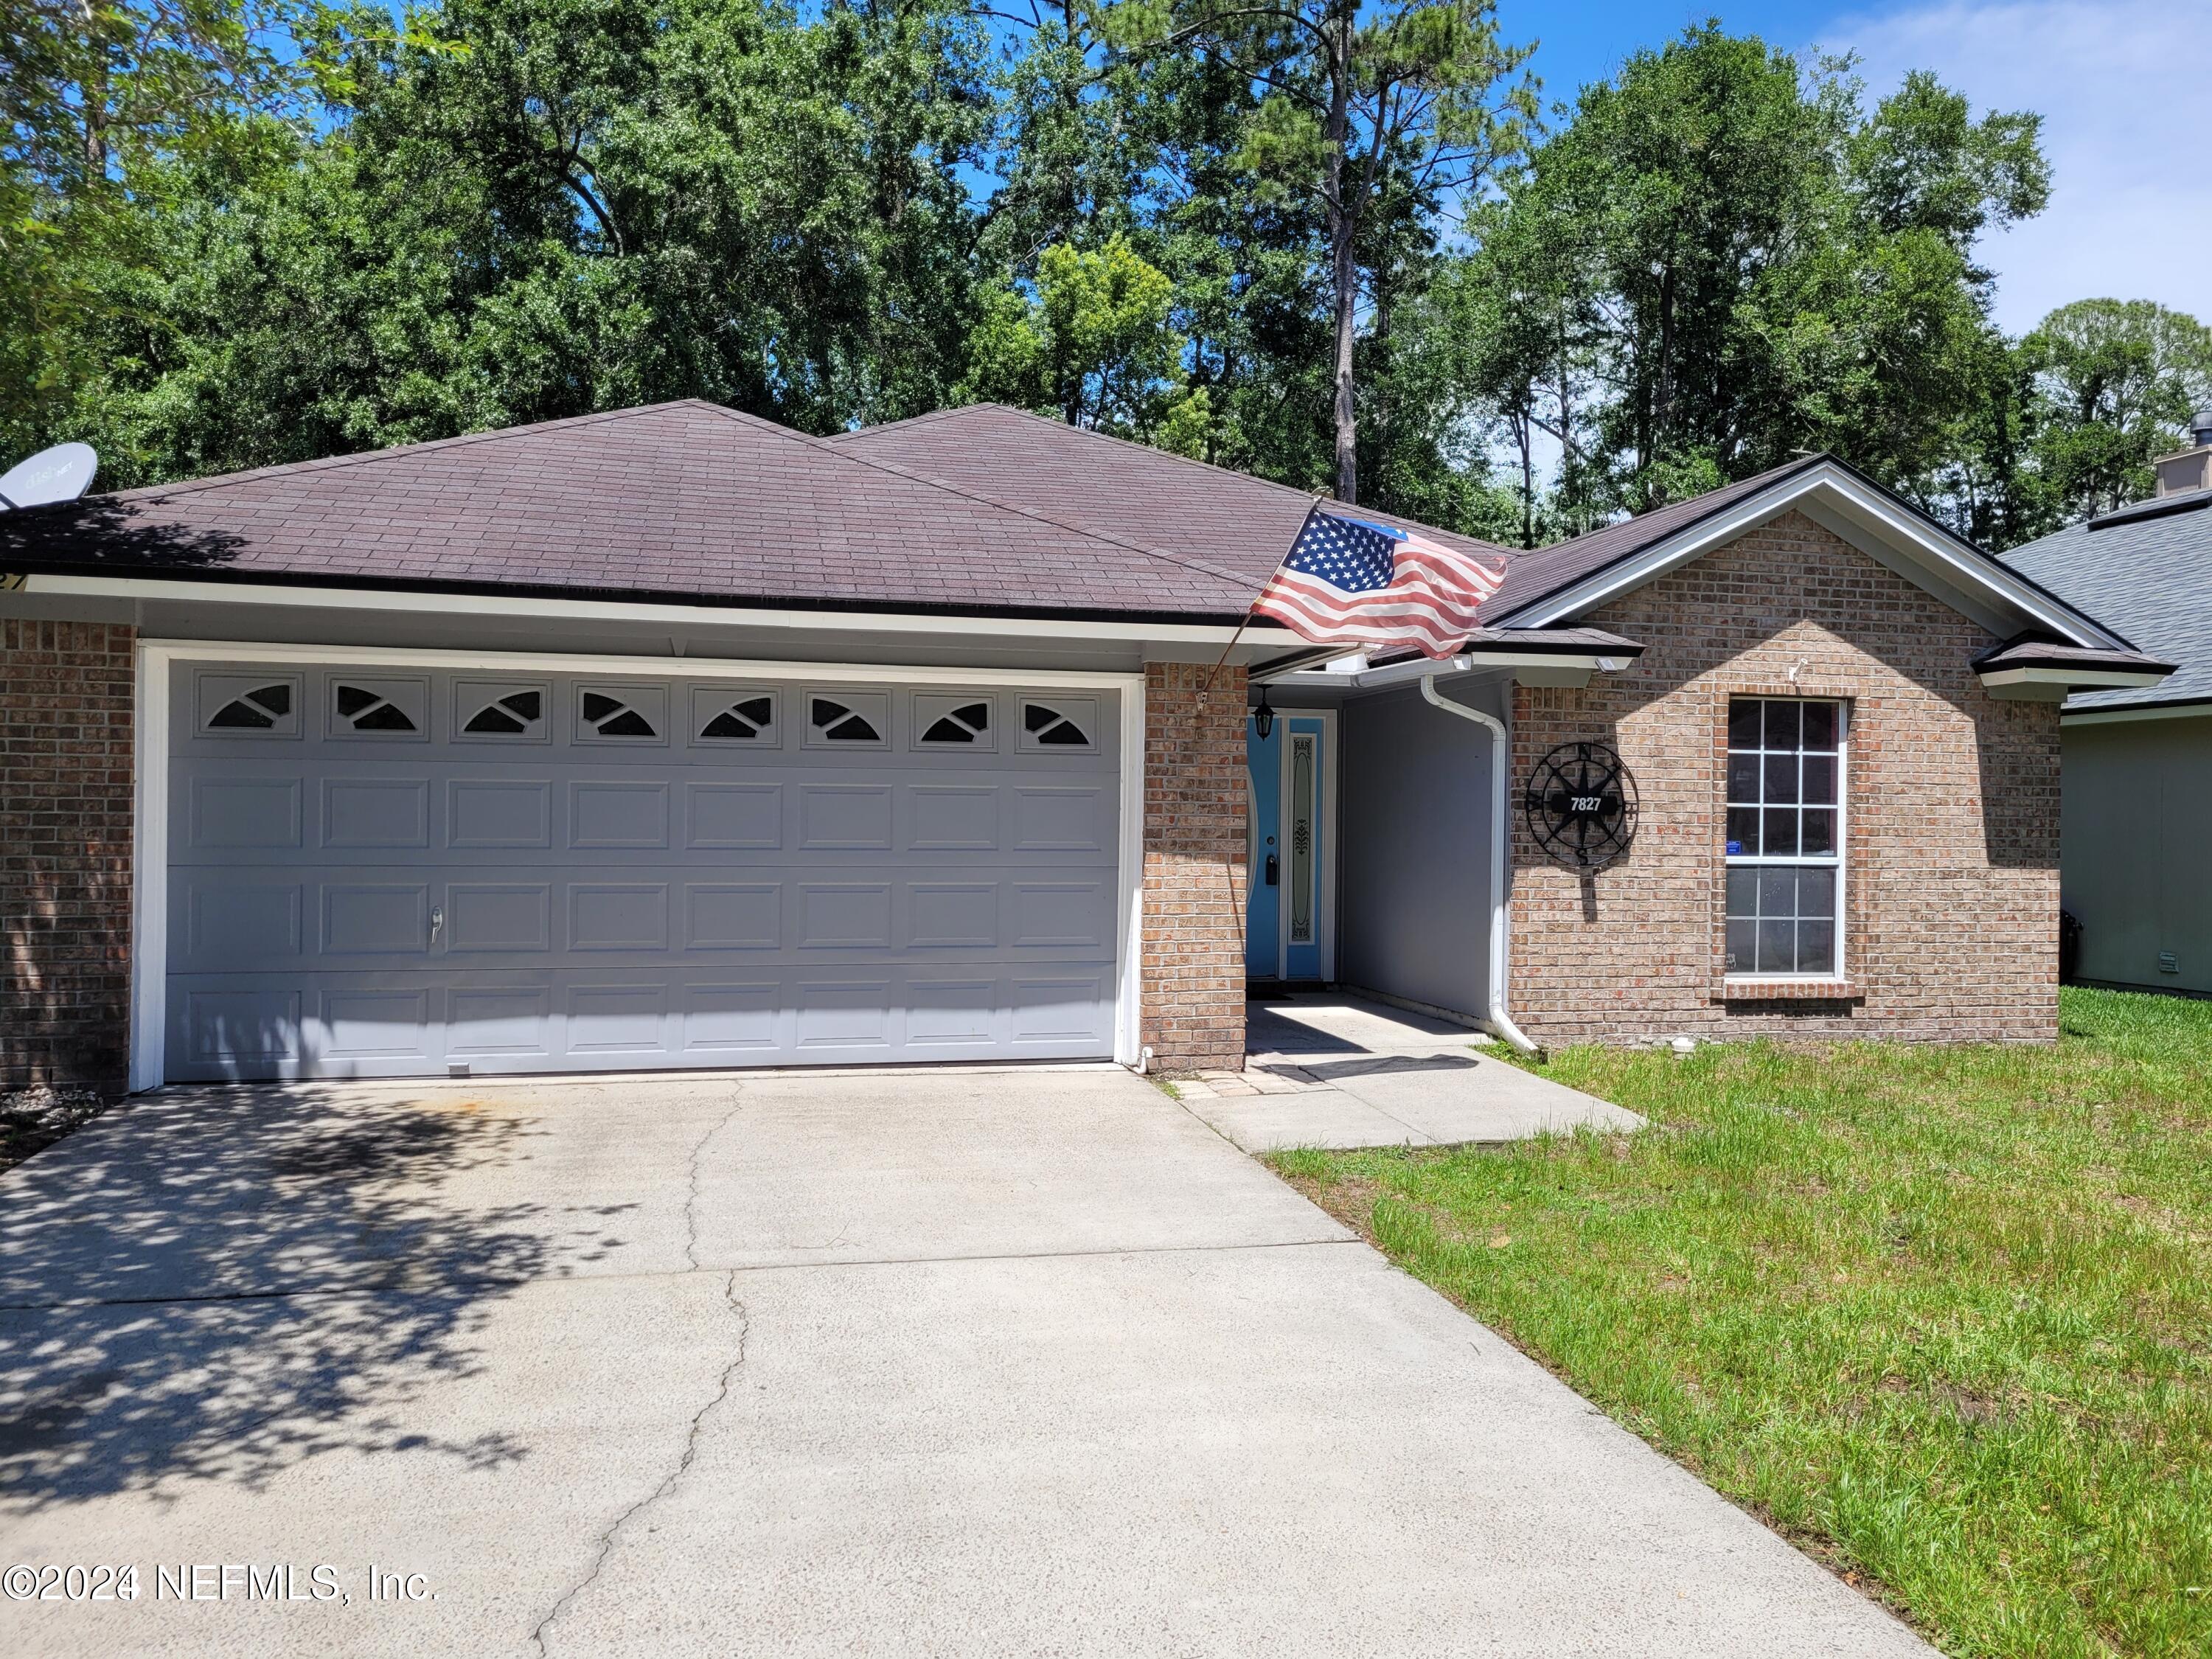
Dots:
(683, 501)
(2037, 652)
(1536, 576)
(2148, 577)
(976, 510)
(1232, 521)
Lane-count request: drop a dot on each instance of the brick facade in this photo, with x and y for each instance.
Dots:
(1951, 848)
(1195, 853)
(66, 822)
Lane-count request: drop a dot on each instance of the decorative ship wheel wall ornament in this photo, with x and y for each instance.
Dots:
(1582, 806)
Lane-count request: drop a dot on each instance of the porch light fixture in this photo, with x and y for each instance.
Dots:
(1263, 718)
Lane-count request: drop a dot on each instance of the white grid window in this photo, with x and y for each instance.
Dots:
(1785, 837)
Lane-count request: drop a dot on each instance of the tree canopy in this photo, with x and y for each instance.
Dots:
(1346, 247)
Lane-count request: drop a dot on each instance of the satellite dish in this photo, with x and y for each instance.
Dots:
(59, 474)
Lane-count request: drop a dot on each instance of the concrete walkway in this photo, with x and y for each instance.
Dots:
(940, 1363)
(1335, 1071)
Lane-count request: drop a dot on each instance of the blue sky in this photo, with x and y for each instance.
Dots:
(2120, 83)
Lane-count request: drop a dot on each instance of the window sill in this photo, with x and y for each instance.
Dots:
(1788, 990)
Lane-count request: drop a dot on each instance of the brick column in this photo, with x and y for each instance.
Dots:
(1194, 846)
(65, 820)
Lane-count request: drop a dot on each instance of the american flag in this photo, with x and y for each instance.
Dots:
(1350, 581)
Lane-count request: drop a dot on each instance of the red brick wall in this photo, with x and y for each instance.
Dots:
(1194, 848)
(65, 818)
(1952, 829)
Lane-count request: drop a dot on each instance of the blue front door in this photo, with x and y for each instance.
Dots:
(1284, 926)
(1263, 929)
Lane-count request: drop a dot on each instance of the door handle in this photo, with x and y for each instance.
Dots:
(437, 921)
(1274, 870)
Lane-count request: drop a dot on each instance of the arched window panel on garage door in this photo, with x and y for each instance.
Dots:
(248, 705)
(959, 719)
(848, 720)
(1058, 724)
(359, 706)
(503, 711)
(621, 713)
(735, 714)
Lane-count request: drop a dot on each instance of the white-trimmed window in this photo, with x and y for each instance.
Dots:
(1785, 837)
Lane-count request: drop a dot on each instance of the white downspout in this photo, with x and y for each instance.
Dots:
(1500, 1022)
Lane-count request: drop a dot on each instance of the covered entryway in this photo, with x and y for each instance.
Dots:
(377, 869)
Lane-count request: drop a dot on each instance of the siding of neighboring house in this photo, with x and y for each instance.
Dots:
(65, 824)
(1194, 867)
(2138, 800)
(1952, 812)
(1413, 902)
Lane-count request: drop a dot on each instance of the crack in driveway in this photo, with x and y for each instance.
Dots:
(613, 1533)
(692, 1190)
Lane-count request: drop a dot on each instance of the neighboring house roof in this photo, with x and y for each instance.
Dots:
(684, 500)
(1232, 520)
(2148, 569)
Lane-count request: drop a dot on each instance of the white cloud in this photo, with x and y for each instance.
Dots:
(2122, 87)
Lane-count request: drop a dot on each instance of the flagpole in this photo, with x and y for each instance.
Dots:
(1206, 691)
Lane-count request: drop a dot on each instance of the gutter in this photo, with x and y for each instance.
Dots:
(1495, 1017)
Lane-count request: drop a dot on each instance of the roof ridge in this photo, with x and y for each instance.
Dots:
(829, 446)
(926, 415)
(362, 456)
(1183, 460)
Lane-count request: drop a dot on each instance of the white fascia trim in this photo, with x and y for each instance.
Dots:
(1959, 562)
(150, 949)
(705, 668)
(2140, 711)
(593, 610)
(1403, 673)
(2078, 678)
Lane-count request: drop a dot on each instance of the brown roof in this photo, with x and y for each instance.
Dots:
(974, 510)
(676, 500)
(1536, 576)
(1232, 520)
(2052, 654)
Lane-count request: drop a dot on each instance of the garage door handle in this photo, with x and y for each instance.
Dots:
(437, 920)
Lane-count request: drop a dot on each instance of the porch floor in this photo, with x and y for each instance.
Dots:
(1323, 1069)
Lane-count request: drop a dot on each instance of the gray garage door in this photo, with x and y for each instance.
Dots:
(379, 873)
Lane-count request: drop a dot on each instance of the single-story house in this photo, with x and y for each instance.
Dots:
(671, 737)
(2135, 866)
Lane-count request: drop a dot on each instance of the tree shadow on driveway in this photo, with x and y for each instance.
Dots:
(214, 1285)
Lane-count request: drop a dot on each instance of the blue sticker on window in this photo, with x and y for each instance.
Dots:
(1735, 848)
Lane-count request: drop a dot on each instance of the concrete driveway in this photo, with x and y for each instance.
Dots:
(1010, 1362)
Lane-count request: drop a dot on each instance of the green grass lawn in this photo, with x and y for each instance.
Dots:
(1943, 1316)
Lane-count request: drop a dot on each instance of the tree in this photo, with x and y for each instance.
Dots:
(1723, 258)
(106, 109)
(2117, 381)
(520, 211)
(1420, 99)
(1094, 347)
